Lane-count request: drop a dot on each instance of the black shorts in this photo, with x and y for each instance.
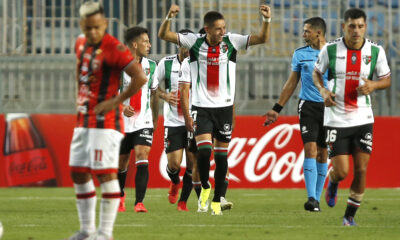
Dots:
(217, 121)
(311, 117)
(175, 138)
(192, 147)
(140, 137)
(345, 141)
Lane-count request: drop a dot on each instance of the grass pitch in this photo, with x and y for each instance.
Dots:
(50, 214)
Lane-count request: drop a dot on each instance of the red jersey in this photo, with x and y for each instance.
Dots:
(99, 69)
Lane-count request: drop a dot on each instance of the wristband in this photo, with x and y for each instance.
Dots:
(277, 108)
(167, 18)
(266, 19)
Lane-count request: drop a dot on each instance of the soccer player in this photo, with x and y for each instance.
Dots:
(169, 71)
(184, 87)
(351, 62)
(310, 108)
(97, 135)
(212, 69)
(140, 116)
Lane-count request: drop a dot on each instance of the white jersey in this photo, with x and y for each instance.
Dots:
(140, 102)
(213, 68)
(346, 68)
(170, 71)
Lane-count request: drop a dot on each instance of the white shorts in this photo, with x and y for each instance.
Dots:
(95, 150)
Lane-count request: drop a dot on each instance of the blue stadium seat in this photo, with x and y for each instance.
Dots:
(315, 3)
(395, 3)
(297, 24)
(375, 19)
(279, 3)
(334, 18)
(361, 3)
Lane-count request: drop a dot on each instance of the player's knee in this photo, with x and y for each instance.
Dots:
(341, 174)
(173, 166)
(360, 171)
(142, 154)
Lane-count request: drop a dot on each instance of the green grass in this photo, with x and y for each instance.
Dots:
(50, 214)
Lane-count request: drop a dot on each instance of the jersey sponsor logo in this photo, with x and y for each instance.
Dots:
(366, 59)
(304, 130)
(340, 57)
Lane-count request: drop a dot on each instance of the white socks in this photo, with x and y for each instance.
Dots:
(86, 205)
(109, 206)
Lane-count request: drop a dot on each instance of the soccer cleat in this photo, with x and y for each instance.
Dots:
(182, 206)
(139, 207)
(100, 236)
(349, 221)
(203, 200)
(121, 207)
(79, 236)
(312, 205)
(216, 208)
(225, 205)
(331, 194)
(173, 193)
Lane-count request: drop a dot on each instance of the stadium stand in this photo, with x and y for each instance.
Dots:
(39, 35)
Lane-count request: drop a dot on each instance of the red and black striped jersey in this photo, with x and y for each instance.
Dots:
(99, 69)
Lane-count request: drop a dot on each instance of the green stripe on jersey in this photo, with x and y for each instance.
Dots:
(374, 59)
(194, 55)
(153, 66)
(231, 57)
(332, 64)
(168, 68)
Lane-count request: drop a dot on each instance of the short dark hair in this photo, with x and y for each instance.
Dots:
(132, 33)
(317, 23)
(211, 17)
(354, 13)
(185, 31)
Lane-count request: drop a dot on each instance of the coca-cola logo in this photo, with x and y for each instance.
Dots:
(274, 156)
(29, 167)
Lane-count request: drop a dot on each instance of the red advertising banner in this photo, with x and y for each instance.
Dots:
(35, 151)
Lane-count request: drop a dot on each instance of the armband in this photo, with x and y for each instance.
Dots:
(277, 108)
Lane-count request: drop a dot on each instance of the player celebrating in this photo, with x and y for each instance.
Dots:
(96, 138)
(311, 110)
(351, 60)
(140, 111)
(212, 69)
(169, 71)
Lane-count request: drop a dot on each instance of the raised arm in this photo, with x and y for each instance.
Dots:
(263, 35)
(138, 79)
(165, 29)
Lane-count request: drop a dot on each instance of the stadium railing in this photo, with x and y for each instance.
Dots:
(43, 31)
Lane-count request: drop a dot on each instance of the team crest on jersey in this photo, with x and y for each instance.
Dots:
(147, 71)
(224, 48)
(366, 59)
(96, 65)
(354, 58)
